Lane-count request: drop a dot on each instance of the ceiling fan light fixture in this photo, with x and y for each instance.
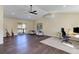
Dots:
(31, 11)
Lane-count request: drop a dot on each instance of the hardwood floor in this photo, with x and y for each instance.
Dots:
(27, 44)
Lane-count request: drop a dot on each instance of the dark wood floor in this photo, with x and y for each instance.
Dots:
(27, 44)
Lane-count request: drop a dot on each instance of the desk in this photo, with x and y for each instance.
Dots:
(74, 37)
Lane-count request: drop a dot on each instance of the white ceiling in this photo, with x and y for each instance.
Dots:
(21, 11)
(60, 8)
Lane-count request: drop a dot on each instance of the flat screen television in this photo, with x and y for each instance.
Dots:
(76, 29)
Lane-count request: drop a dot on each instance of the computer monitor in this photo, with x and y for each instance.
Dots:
(76, 29)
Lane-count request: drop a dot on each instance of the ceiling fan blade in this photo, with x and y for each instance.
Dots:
(34, 11)
(31, 11)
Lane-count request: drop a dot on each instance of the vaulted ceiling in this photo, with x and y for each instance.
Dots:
(22, 11)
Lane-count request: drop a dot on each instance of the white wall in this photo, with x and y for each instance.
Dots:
(1, 24)
(50, 25)
(66, 20)
(12, 23)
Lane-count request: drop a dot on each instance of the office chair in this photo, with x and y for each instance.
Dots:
(64, 35)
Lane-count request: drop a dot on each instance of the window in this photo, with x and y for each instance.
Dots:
(21, 28)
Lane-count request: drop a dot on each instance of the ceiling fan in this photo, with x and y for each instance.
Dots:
(31, 10)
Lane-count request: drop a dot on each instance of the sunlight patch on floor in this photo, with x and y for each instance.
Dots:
(70, 45)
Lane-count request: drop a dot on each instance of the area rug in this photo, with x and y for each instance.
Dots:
(56, 43)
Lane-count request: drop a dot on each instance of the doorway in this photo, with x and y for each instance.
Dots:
(21, 28)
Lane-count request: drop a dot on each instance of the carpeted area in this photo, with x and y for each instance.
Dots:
(55, 42)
